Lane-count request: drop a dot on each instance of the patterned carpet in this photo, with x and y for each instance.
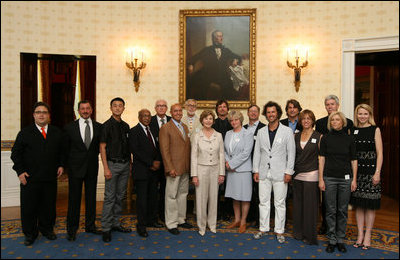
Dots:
(227, 243)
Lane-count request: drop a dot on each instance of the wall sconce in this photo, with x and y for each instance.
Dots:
(134, 60)
(297, 68)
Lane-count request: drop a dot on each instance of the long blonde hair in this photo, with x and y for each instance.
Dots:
(370, 111)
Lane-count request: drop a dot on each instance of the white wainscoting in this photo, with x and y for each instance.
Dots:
(10, 184)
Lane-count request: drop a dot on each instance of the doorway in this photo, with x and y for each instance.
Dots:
(60, 81)
(377, 84)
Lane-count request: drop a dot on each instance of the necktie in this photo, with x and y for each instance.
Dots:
(182, 130)
(149, 136)
(87, 134)
(190, 124)
(162, 121)
(43, 133)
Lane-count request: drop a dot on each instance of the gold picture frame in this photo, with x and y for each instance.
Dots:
(209, 71)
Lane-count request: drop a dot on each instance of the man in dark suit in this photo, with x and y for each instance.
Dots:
(254, 125)
(321, 125)
(146, 162)
(82, 155)
(222, 125)
(157, 121)
(38, 162)
(293, 110)
(208, 73)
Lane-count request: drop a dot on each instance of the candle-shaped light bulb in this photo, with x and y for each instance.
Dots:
(287, 54)
(297, 52)
(307, 55)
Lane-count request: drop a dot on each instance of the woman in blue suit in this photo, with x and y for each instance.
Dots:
(238, 147)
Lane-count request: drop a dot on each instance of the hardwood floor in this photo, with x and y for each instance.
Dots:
(386, 218)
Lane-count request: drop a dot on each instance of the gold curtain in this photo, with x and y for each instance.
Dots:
(45, 91)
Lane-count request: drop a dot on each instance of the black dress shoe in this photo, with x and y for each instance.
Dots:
(121, 229)
(50, 236)
(330, 248)
(142, 232)
(155, 224)
(174, 231)
(107, 236)
(29, 241)
(71, 236)
(341, 247)
(185, 225)
(93, 231)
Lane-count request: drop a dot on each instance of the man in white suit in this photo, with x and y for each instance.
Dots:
(273, 162)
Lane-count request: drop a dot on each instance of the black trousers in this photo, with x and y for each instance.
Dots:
(74, 202)
(161, 182)
(38, 207)
(146, 200)
(254, 211)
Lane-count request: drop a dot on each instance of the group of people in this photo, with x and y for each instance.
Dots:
(232, 167)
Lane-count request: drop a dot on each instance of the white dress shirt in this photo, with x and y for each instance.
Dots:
(82, 127)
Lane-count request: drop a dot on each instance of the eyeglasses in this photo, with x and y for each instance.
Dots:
(191, 105)
(41, 112)
(161, 106)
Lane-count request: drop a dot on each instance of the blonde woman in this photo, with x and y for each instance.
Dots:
(367, 197)
(337, 177)
(238, 147)
(207, 171)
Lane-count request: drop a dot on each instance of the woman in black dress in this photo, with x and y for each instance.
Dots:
(367, 197)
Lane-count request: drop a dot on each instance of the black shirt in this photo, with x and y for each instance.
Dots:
(222, 126)
(339, 149)
(321, 125)
(115, 135)
(272, 135)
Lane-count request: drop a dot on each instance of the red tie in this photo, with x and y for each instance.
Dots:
(149, 136)
(43, 133)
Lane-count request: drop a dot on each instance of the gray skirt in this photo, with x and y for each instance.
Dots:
(239, 185)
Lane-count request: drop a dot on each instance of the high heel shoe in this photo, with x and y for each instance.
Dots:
(233, 225)
(356, 245)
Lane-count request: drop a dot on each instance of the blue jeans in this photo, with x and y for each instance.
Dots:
(337, 197)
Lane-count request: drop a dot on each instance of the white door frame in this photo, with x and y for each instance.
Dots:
(349, 48)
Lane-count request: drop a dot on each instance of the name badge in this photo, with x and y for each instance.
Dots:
(296, 131)
(237, 140)
(279, 140)
(313, 140)
(157, 139)
(356, 132)
(255, 137)
(347, 177)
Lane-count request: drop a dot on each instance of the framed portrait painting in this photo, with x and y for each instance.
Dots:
(217, 57)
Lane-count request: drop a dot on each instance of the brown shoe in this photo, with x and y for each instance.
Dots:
(242, 228)
(233, 225)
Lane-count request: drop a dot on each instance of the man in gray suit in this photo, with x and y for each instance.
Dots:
(275, 145)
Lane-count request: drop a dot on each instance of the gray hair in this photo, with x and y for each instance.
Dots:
(190, 100)
(334, 97)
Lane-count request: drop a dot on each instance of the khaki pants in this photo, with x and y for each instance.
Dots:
(176, 191)
(207, 196)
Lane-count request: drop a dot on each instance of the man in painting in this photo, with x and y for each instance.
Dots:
(208, 71)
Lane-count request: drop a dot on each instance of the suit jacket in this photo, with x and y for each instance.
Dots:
(285, 122)
(207, 152)
(239, 158)
(37, 156)
(143, 151)
(80, 160)
(175, 149)
(154, 126)
(278, 159)
(259, 126)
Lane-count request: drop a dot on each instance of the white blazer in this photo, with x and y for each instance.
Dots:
(278, 159)
(239, 158)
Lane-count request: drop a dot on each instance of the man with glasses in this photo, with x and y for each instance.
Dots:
(157, 121)
(38, 162)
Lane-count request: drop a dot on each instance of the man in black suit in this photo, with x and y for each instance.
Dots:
(157, 121)
(254, 125)
(208, 71)
(82, 155)
(146, 162)
(293, 110)
(38, 162)
(222, 125)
